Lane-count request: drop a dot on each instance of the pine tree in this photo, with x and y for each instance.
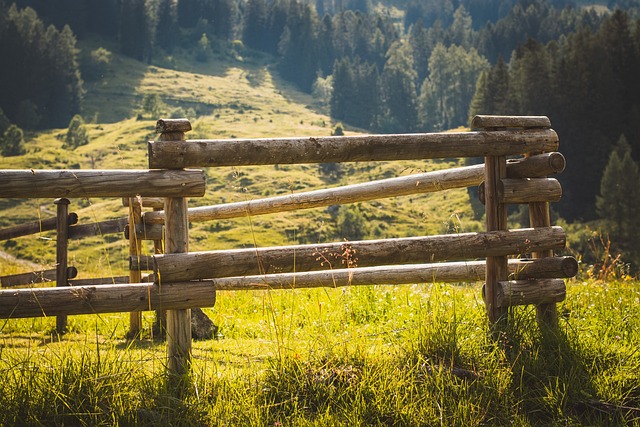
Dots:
(76, 133)
(619, 199)
(12, 142)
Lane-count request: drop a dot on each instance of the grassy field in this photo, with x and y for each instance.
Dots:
(392, 356)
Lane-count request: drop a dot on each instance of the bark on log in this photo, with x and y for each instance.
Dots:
(499, 122)
(538, 166)
(173, 125)
(110, 226)
(524, 292)
(413, 184)
(98, 281)
(525, 190)
(100, 183)
(411, 250)
(245, 152)
(34, 227)
(25, 279)
(466, 271)
(72, 300)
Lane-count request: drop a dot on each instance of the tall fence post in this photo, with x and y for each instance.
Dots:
(135, 250)
(539, 216)
(176, 241)
(62, 244)
(160, 326)
(495, 170)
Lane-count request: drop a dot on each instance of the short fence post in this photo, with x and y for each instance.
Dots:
(135, 250)
(176, 241)
(62, 244)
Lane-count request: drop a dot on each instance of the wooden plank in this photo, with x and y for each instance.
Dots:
(32, 183)
(499, 122)
(33, 277)
(450, 272)
(524, 292)
(35, 227)
(410, 250)
(245, 152)
(72, 300)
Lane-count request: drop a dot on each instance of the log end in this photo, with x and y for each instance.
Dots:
(173, 125)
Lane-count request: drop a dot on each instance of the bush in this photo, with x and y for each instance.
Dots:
(76, 133)
(12, 142)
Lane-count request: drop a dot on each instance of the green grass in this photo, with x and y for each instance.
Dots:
(406, 355)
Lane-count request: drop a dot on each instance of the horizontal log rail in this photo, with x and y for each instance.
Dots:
(410, 250)
(42, 276)
(34, 227)
(482, 121)
(110, 226)
(246, 152)
(534, 166)
(532, 291)
(33, 183)
(72, 300)
(447, 272)
(525, 190)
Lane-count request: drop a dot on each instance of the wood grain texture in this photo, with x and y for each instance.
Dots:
(245, 152)
(498, 122)
(538, 166)
(135, 276)
(534, 291)
(392, 187)
(411, 250)
(449, 272)
(62, 245)
(147, 202)
(173, 125)
(100, 183)
(525, 190)
(72, 300)
(110, 226)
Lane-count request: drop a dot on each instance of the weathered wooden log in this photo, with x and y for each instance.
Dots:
(496, 221)
(147, 231)
(110, 226)
(135, 276)
(35, 227)
(32, 183)
(147, 202)
(245, 152)
(499, 122)
(410, 250)
(392, 187)
(534, 291)
(62, 244)
(525, 190)
(71, 300)
(538, 166)
(173, 125)
(24, 279)
(543, 268)
(465, 271)
(97, 281)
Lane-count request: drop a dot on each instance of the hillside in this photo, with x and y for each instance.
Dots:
(232, 97)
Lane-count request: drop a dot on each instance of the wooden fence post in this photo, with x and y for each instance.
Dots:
(539, 216)
(62, 244)
(176, 241)
(135, 250)
(160, 327)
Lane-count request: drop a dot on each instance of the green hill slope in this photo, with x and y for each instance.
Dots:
(232, 98)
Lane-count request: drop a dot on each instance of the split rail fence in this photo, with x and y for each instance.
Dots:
(181, 280)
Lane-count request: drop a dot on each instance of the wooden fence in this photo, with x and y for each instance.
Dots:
(181, 280)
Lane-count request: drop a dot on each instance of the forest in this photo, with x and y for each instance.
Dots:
(387, 67)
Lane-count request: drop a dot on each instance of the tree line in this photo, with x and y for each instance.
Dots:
(441, 63)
